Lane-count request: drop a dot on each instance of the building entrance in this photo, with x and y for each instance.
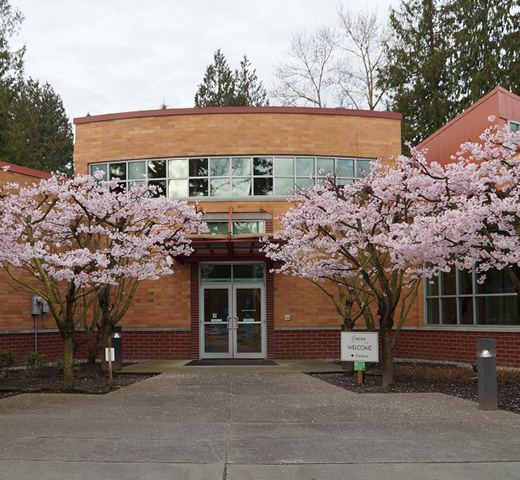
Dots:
(232, 316)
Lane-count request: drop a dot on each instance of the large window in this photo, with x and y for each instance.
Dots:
(456, 298)
(232, 176)
(238, 227)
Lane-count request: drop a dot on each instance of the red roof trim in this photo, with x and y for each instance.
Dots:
(25, 171)
(236, 110)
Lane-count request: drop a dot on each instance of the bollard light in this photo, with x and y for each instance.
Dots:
(117, 344)
(487, 374)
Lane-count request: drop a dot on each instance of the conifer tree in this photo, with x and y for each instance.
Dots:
(39, 135)
(218, 87)
(446, 55)
(249, 90)
(222, 87)
(418, 78)
(486, 47)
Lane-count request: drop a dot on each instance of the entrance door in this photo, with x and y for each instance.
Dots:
(233, 322)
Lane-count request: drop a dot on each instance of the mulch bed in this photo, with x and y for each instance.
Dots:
(459, 381)
(89, 380)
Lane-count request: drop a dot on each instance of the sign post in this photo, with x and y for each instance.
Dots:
(359, 348)
(110, 356)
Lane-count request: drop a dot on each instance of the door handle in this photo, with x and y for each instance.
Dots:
(229, 323)
(236, 323)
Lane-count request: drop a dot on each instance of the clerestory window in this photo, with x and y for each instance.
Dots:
(228, 177)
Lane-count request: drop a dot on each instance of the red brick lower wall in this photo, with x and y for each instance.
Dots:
(136, 345)
(449, 346)
(412, 344)
(307, 344)
(456, 346)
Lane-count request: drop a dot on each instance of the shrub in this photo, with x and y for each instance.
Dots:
(7, 358)
(58, 365)
(34, 363)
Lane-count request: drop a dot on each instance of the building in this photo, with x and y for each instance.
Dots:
(239, 164)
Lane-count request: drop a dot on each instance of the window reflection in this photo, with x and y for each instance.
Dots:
(219, 167)
(219, 187)
(118, 170)
(157, 169)
(241, 187)
(198, 167)
(231, 177)
(284, 166)
(178, 168)
(240, 167)
(137, 170)
(262, 166)
(263, 186)
(198, 187)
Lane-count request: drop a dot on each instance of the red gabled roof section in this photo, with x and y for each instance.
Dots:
(25, 171)
(237, 110)
(471, 123)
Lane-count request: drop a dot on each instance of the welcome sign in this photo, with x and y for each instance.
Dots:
(359, 347)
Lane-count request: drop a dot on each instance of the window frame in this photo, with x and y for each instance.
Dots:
(198, 185)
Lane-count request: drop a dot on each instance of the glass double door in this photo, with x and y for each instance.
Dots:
(233, 322)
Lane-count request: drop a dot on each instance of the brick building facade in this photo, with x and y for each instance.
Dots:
(223, 301)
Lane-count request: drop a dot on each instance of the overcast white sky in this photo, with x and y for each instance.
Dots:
(107, 56)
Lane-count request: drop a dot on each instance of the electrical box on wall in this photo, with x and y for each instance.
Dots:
(38, 305)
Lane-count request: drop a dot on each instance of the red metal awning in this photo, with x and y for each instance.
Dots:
(211, 248)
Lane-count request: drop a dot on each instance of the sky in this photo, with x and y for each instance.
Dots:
(109, 56)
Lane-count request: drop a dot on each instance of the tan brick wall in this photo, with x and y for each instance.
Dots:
(166, 303)
(163, 303)
(235, 134)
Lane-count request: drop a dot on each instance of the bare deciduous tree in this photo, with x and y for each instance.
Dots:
(363, 40)
(337, 66)
(307, 74)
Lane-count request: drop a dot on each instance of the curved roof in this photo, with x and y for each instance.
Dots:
(237, 110)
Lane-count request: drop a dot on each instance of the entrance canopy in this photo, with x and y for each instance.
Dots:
(211, 248)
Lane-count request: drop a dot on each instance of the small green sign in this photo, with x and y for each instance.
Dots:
(359, 366)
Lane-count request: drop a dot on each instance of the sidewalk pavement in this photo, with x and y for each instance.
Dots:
(253, 423)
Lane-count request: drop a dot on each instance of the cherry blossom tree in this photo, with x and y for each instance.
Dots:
(72, 240)
(473, 220)
(334, 232)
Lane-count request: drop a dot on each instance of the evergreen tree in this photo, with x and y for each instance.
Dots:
(418, 76)
(218, 86)
(222, 87)
(11, 66)
(487, 47)
(249, 91)
(446, 55)
(39, 134)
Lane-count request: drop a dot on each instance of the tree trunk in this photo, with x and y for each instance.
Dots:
(107, 343)
(386, 322)
(386, 344)
(68, 364)
(94, 346)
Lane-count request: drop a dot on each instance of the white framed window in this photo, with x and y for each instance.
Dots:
(228, 177)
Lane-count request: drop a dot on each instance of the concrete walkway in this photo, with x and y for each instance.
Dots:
(233, 423)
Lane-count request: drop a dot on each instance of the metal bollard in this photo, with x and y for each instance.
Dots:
(487, 374)
(117, 346)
